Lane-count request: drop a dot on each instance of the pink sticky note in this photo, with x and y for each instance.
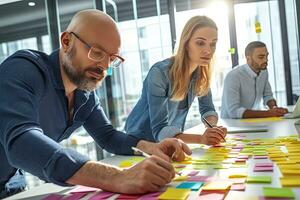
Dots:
(243, 157)
(264, 165)
(238, 187)
(75, 196)
(128, 196)
(102, 195)
(150, 196)
(211, 196)
(201, 178)
(193, 173)
(83, 189)
(260, 157)
(53, 197)
(263, 169)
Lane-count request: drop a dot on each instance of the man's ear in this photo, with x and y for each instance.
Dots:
(65, 40)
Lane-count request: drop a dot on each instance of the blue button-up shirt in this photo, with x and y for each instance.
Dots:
(155, 115)
(244, 89)
(34, 118)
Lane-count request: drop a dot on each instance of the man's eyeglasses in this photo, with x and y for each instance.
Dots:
(96, 54)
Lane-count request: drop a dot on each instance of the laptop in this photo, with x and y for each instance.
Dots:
(295, 113)
(246, 129)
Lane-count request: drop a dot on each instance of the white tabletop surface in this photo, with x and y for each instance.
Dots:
(275, 128)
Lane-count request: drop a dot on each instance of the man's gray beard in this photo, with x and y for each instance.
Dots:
(78, 78)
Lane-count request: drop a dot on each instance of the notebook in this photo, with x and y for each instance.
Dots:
(246, 129)
(295, 113)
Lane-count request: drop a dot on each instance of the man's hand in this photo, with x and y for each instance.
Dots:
(167, 149)
(277, 112)
(214, 135)
(147, 176)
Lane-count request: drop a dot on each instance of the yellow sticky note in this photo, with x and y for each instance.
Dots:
(290, 182)
(180, 178)
(241, 175)
(217, 185)
(175, 193)
(287, 172)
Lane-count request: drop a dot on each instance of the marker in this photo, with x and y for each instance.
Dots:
(207, 122)
(147, 155)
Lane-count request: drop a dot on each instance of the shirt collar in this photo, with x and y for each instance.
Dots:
(249, 71)
(55, 72)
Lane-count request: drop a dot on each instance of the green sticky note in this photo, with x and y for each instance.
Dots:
(259, 179)
(231, 50)
(278, 192)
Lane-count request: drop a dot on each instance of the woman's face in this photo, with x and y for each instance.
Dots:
(202, 46)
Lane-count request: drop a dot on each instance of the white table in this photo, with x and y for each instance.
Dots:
(276, 128)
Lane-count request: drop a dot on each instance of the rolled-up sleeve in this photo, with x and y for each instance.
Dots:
(231, 98)
(26, 146)
(206, 106)
(157, 97)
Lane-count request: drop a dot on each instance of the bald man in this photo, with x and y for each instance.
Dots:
(44, 98)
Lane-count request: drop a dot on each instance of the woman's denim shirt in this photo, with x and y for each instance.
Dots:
(155, 116)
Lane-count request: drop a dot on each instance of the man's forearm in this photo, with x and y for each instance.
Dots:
(255, 114)
(98, 175)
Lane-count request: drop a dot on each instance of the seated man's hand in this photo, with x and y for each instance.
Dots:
(277, 112)
(147, 176)
(168, 149)
(214, 135)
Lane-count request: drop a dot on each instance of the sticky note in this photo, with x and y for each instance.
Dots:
(238, 187)
(83, 189)
(180, 178)
(75, 196)
(286, 172)
(102, 195)
(240, 175)
(126, 163)
(263, 169)
(278, 192)
(290, 181)
(207, 195)
(217, 185)
(259, 179)
(264, 165)
(150, 196)
(129, 196)
(54, 197)
(260, 157)
(175, 193)
(194, 186)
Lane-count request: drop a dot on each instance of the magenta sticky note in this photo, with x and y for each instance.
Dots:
(75, 196)
(150, 196)
(128, 196)
(201, 178)
(102, 195)
(263, 169)
(53, 197)
(264, 165)
(83, 189)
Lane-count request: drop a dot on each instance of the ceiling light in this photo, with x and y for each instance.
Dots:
(31, 3)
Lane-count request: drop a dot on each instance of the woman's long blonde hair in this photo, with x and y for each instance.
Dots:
(179, 72)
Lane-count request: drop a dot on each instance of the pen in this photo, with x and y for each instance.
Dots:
(147, 155)
(207, 122)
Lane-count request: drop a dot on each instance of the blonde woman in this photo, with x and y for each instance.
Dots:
(171, 86)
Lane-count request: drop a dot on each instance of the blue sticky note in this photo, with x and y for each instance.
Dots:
(194, 186)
